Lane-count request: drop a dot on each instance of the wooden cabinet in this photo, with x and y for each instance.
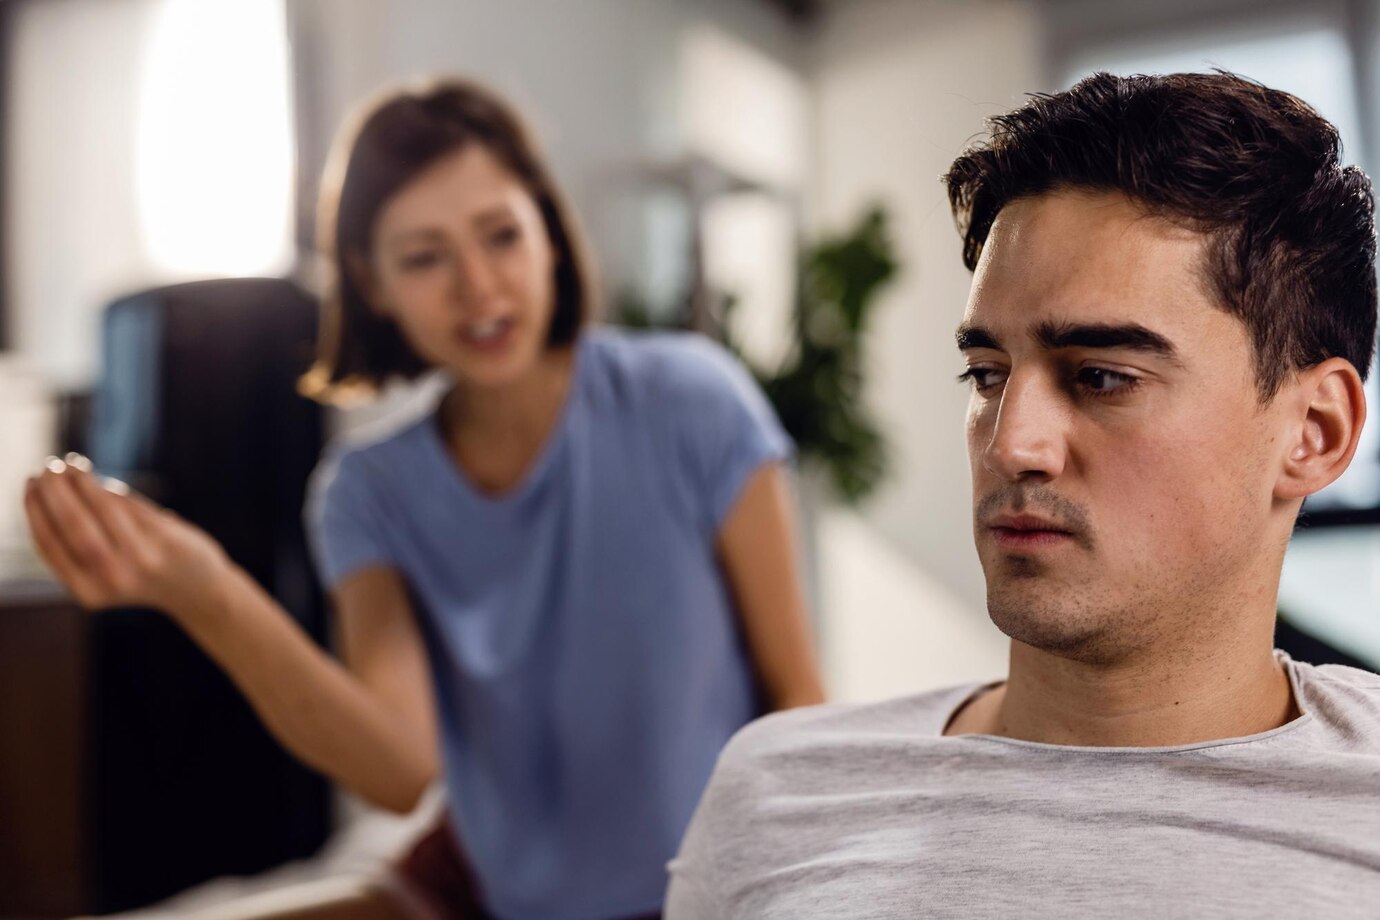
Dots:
(44, 849)
(130, 765)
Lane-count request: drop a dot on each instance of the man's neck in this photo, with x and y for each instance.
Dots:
(1171, 697)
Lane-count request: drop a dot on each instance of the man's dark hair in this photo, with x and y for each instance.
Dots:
(1291, 233)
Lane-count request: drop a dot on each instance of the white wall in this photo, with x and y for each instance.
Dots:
(901, 86)
(598, 78)
(71, 210)
(890, 627)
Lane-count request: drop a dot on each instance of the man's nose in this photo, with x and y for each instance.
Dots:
(1029, 436)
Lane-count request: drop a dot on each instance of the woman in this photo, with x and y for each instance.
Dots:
(578, 570)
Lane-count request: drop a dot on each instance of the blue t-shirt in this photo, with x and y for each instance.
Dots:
(586, 653)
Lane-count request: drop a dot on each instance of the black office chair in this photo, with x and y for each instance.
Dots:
(196, 406)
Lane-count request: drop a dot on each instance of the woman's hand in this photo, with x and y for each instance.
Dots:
(113, 549)
(372, 731)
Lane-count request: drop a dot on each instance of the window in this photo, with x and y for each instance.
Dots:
(149, 142)
(215, 160)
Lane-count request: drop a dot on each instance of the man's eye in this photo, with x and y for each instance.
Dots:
(1099, 381)
(983, 378)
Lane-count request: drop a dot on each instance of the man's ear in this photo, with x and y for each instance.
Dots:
(362, 277)
(1326, 429)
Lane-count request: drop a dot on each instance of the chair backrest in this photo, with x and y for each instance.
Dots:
(197, 406)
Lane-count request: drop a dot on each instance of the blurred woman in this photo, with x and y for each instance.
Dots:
(562, 590)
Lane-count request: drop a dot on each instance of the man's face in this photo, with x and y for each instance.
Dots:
(1121, 460)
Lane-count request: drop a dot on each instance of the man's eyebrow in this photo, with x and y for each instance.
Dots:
(975, 337)
(1131, 336)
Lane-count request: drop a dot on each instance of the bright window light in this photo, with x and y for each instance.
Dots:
(214, 145)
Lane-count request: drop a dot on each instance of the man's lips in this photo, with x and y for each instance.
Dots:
(1024, 522)
(1027, 531)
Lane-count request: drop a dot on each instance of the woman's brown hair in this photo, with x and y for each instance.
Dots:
(391, 142)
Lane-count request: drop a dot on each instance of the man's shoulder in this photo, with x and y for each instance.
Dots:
(792, 737)
(1357, 681)
(1345, 699)
(1355, 685)
(914, 714)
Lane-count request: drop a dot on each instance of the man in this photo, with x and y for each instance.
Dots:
(1172, 311)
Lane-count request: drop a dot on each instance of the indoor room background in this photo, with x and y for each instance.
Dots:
(715, 150)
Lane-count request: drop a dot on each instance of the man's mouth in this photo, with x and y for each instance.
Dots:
(1027, 532)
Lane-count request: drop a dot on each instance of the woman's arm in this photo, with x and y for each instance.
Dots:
(368, 728)
(758, 548)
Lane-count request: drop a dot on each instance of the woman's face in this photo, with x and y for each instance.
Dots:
(462, 262)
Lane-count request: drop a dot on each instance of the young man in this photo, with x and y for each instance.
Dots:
(1173, 308)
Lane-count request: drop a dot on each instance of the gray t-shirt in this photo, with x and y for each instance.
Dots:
(870, 811)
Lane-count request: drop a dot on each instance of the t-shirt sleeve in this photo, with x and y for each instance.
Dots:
(343, 519)
(690, 895)
(695, 891)
(721, 855)
(727, 428)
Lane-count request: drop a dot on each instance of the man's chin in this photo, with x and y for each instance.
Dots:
(1051, 621)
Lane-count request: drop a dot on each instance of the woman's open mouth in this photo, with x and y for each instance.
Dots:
(488, 334)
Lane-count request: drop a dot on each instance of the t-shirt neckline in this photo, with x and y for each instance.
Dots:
(965, 695)
(537, 470)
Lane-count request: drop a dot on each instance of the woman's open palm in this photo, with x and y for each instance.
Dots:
(114, 549)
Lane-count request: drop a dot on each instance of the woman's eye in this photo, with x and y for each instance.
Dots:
(416, 261)
(983, 378)
(1103, 382)
(501, 239)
